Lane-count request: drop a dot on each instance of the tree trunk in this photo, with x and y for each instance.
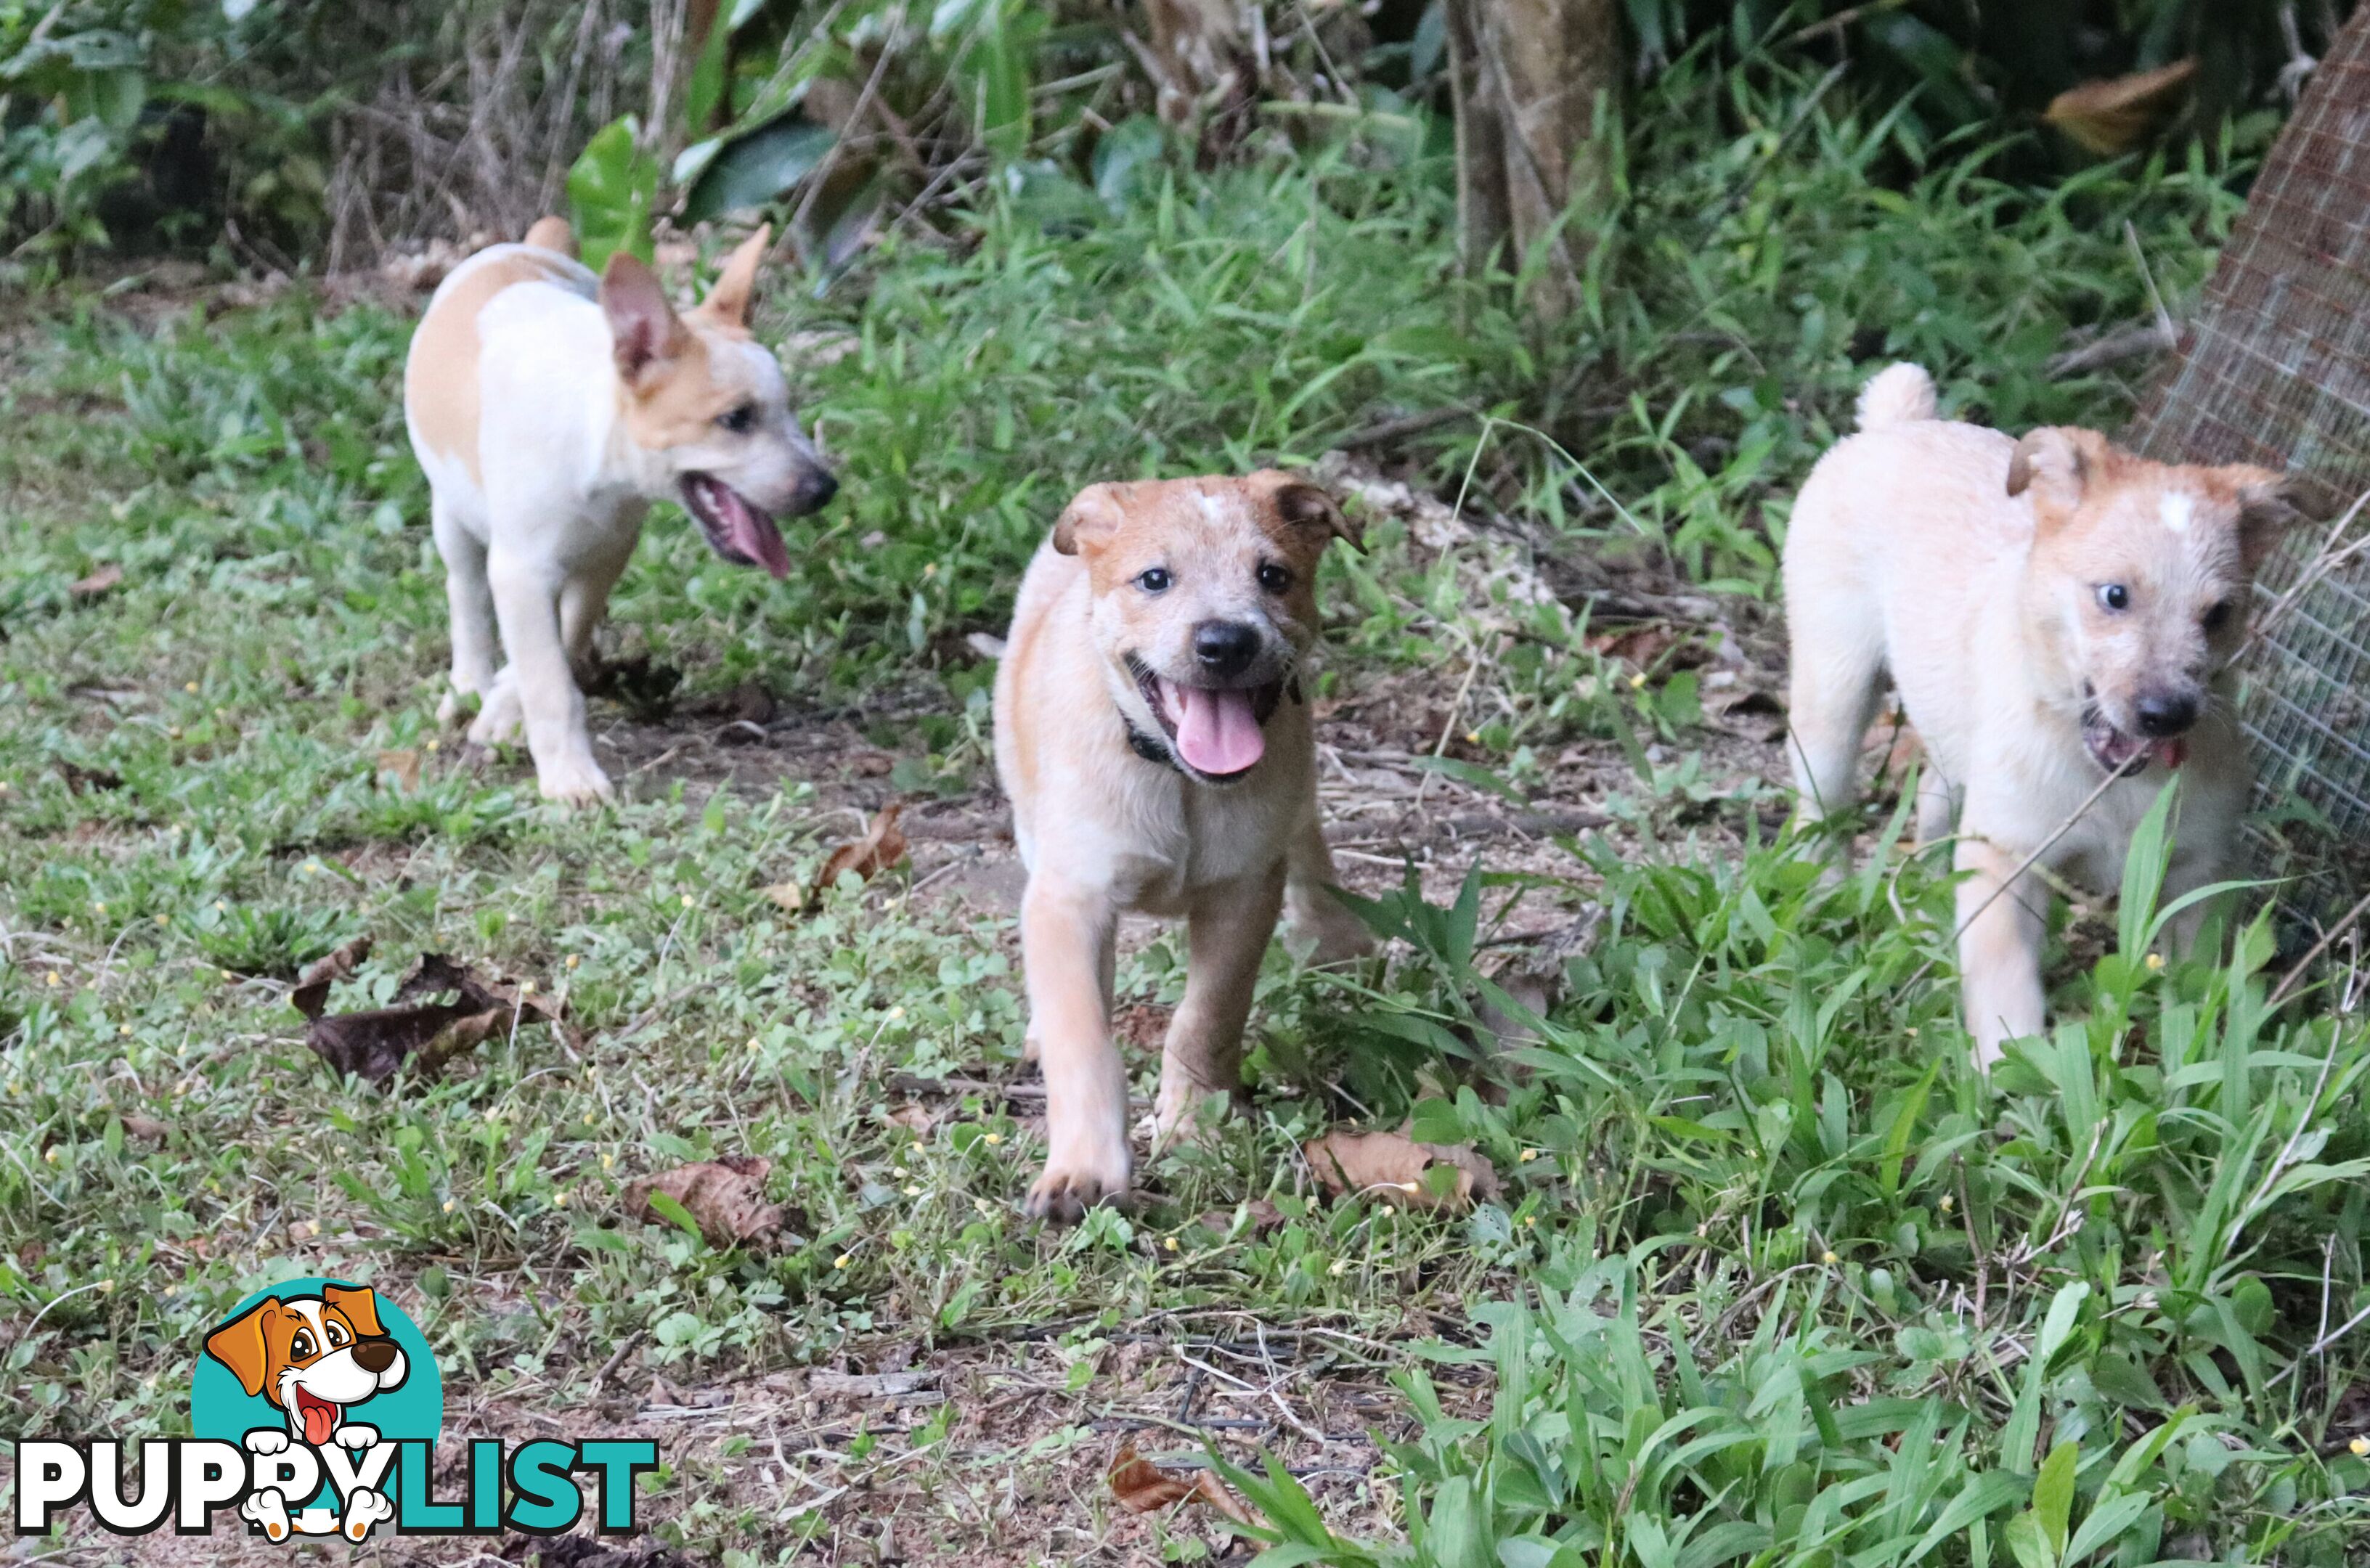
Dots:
(1528, 78)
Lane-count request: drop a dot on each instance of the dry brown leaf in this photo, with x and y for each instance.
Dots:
(379, 1042)
(882, 846)
(1391, 1166)
(2114, 117)
(148, 1129)
(311, 996)
(1260, 1217)
(724, 1196)
(99, 582)
(1143, 1487)
(914, 1117)
(404, 765)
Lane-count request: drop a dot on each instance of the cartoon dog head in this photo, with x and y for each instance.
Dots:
(709, 410)
(2139, 577)
(313, 1356)
(1204, 601)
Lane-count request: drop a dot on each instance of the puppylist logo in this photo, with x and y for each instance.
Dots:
(316, 1409)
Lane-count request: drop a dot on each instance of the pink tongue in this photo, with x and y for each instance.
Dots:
(1216, 731)
(754, 533)
(320, 1420)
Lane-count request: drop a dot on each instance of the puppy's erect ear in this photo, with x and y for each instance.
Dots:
(1090, 519)
(728, 302)
(2055, 463)
(2267, 505)
(361, 1308)
(552, 233)
(642, 325)
(1304, 506)
(240, 1346)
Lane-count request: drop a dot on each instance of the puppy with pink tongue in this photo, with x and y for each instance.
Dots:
(1151, 730)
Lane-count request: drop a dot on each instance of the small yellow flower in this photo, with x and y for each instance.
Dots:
(430, 747)
(895, 1013)
(173, 732)
(1338, 1267)
(221, 906)
(2359, 1446)
(1528, 1155)
(163, 920)
(229, 976)
(50, 1154)
(2155, 963)
(560, 1198)
(1472, 737)
(190, 686)
(527, 988)
(991, 1140)
(573, 960)
(1169, 1241)
(1911, 1031)
(686, 900)
(1703, 1230)
(897, 1173)
(608, 1161)
(1638, 680)
(1530, 1221)
(98, 909)
(451, 1204)
(929, 568)
(842, 1261)
(590, 1118)
(124, 1030)
(1829, 1257)
(914, 1189)
(54, 978)
(1948, 1202)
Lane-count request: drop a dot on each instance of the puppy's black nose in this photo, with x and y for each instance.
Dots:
(816, 489)
(2163, 715)
(373, 1355)
(1224, 648)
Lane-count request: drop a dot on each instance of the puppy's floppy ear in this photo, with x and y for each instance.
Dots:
(1090, 519)
(728, 302)
(361, 1308)
(2268, 503)
(642, 327)
(2054, 462)
(1305, 505)
(239, 1344)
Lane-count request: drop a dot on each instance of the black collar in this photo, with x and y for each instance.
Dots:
(1146, 747)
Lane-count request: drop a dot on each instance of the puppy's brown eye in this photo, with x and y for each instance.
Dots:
(301, 1347)
(2217, 617)
(741, 419)
(1275, 579)
(338, 1335)
(2114, 597)
(1153, 579)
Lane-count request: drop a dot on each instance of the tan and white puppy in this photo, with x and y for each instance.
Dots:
(549, 408)
(2054, 613)
(1152, 733)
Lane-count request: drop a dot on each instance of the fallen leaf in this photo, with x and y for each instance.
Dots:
(83, 781)
(2114, 117)
(1640, 646)
(1391, 1165)
(914, 1117)
(311, 996)
(882, 846)
(379, 1042)
(1258, 1214)
(1143, 1487)
(724, 1196)
(99, 582)
(404, 765)
(148, 1129)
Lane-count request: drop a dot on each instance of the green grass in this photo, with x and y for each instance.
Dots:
(1774, 1278)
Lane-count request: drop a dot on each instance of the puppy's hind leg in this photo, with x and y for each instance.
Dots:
(1226, 933)
(1838, 666)
(1335, 934)
(471, 604)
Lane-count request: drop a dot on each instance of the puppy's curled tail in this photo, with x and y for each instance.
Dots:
(552, 233)
(1897, 395)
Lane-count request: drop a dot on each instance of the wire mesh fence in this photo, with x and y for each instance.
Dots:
(2277, 371)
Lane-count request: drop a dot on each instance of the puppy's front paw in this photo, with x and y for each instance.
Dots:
(364, 1509)
(267, 1440)
(268, 1509)
(355, 1435)
(1074, 1184)
(578, 782)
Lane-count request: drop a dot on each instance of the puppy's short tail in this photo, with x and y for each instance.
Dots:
(1896, 394)
(552, 233)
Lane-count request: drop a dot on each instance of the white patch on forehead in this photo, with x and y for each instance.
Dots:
(1212, 509)
(309, 1311)
(2176, 510)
